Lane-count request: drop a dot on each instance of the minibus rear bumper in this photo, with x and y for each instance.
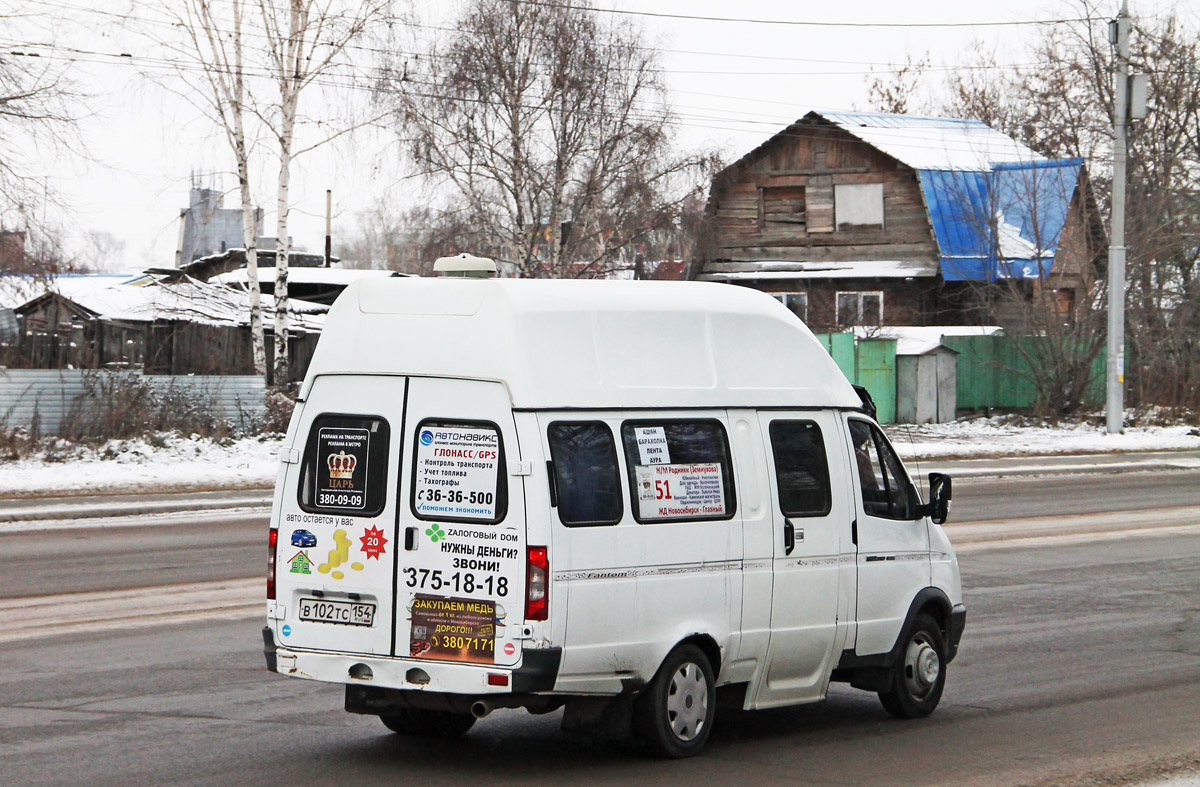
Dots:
(537, 672)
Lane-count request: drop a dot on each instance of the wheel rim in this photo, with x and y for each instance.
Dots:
(922, 666)
(687, 702)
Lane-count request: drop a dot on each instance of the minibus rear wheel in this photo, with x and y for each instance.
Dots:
(919, 675)
(428, 723)
(674, 715)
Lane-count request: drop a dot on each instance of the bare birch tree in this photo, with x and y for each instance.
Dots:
(305, 40)
(39, 111)
(550, 126)
(214, 48)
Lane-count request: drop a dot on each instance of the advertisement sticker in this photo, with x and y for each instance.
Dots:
(457, 469)
(342, 467)
(453, 629)
(679, 491)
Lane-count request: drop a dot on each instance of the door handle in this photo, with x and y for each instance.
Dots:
(410, 538)
(789, 537)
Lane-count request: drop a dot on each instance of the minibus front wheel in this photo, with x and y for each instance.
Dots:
(919, 675)
(674, 715)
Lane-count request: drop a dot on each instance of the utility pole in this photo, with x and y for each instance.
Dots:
(1118, 31)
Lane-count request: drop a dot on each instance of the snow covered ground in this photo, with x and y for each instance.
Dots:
(192, 464)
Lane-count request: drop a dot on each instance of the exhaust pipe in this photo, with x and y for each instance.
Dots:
(481, 708)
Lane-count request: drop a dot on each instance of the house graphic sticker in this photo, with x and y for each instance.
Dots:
(301, 564)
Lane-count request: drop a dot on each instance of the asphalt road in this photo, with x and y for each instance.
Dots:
(1080, 664)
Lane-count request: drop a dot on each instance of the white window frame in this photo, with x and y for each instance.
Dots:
(858, 317)
(802, 297)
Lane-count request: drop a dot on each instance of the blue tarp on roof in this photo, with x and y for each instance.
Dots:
(1003, 223)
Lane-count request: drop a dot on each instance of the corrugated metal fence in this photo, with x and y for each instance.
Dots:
(46, 397)
(990, 372)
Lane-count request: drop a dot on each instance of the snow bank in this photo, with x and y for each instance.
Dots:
(172, 463)
(997, 437)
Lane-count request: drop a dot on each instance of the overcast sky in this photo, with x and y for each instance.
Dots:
(733, 84)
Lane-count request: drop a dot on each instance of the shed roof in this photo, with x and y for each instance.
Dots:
(919, 340)
(585, 344)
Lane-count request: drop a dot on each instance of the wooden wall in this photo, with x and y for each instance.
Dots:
(915, 301)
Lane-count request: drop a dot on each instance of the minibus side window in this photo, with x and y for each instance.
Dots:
(458, 472)
(585, 473)
(801, 469)
(880, 475)
(678, 470)
(344, 467)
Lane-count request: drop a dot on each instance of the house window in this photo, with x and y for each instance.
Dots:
(1064, 302)
(859, 308)
(797, 303)
(781, 204)
(858, 206)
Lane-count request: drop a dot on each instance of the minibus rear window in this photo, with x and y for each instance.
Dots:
(458, 472)
(801, 469)
(585, 473)
(344, 468)
(678, 470)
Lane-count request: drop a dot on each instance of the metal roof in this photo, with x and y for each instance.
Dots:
(1001, 223)
(933, 143)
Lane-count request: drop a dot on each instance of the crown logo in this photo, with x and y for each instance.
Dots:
(341, 465)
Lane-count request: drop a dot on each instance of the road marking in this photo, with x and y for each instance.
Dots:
(70, 613)
(1078, 538)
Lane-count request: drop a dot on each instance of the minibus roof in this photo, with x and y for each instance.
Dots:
(585, 344)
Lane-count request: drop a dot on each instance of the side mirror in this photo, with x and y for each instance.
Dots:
(940, 492)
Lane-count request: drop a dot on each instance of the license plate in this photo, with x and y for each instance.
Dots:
(348, 613)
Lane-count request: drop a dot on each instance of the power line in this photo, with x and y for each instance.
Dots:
(886, 67)
(797, 22)
(919, 140)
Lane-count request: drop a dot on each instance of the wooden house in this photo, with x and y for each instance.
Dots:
(870, 219)
(142, 322)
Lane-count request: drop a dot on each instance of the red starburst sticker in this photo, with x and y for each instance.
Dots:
(372, 542)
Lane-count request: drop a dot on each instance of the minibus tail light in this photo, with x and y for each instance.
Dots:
(537, 579)
(272, 540)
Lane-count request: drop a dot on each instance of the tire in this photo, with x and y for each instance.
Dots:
(919, 675)
(673, 716)
(428, 723)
